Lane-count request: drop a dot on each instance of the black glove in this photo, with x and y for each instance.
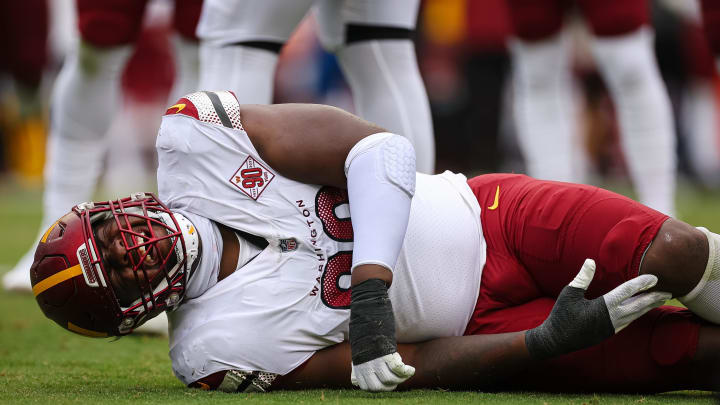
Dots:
(576, 323)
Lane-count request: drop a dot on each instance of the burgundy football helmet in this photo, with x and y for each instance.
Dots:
(72, 279)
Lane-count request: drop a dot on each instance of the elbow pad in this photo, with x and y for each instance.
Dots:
(380, 171)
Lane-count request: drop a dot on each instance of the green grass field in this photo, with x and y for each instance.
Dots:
(42, 363)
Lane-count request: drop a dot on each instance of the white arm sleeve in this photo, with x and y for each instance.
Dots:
(380, 171)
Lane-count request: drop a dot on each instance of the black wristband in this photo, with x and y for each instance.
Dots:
(372, 323)
(574, 323)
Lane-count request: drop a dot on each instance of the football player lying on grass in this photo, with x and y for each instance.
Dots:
(437, 281)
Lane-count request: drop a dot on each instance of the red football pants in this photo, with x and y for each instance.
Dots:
(24, 30)
(118, 22)
(538, 234)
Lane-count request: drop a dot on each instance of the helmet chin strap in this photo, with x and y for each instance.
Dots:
(191, 238)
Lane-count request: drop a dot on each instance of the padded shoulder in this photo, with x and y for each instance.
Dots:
(214, 107)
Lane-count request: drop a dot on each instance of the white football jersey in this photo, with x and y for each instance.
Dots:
(293, 299)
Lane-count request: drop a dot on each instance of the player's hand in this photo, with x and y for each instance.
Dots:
(624, 306)
(381, 374)
(576, 323)
(376, 364)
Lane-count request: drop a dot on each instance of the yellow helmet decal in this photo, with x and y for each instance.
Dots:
(56, 279)
(86, 332)
(45, 235)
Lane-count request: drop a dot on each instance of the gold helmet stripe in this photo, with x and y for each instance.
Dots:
(45, 235)
(86, 332)
(56, 279)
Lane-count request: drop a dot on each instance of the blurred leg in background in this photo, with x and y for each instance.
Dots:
(622, 45)
(545, 113)
(372, 40)
(624, 54)
(84, 100)
(698, 119)
(185, 48)
(240, 42)
(87, 97)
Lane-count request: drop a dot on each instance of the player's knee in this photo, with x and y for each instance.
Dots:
(677, 256)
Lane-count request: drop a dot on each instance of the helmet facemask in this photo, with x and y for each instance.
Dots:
(155, 250)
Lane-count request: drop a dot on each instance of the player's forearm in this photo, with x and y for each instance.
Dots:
(365, 272)
(466, 362)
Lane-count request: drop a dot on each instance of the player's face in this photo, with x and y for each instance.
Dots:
(126, 276)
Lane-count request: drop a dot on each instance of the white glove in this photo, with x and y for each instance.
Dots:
(381, 374)
(622, 303)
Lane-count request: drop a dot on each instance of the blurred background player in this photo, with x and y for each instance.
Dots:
(372, 39)
(464, 62)
(25, 56)
(86, 98)
(711, 25)
(622, 46)
(688, 67)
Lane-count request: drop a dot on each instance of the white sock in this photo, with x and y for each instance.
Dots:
(704, 299)
(187, 67)
(388, 90)
(628, 65)
(700, 123)
(248, 72)
(544, 113)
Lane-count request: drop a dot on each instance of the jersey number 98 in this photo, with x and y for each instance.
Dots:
(339, 229)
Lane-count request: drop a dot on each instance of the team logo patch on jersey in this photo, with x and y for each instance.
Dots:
(252, 178)
(288, 245)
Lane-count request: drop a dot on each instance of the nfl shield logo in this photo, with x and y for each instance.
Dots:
(288, 245)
